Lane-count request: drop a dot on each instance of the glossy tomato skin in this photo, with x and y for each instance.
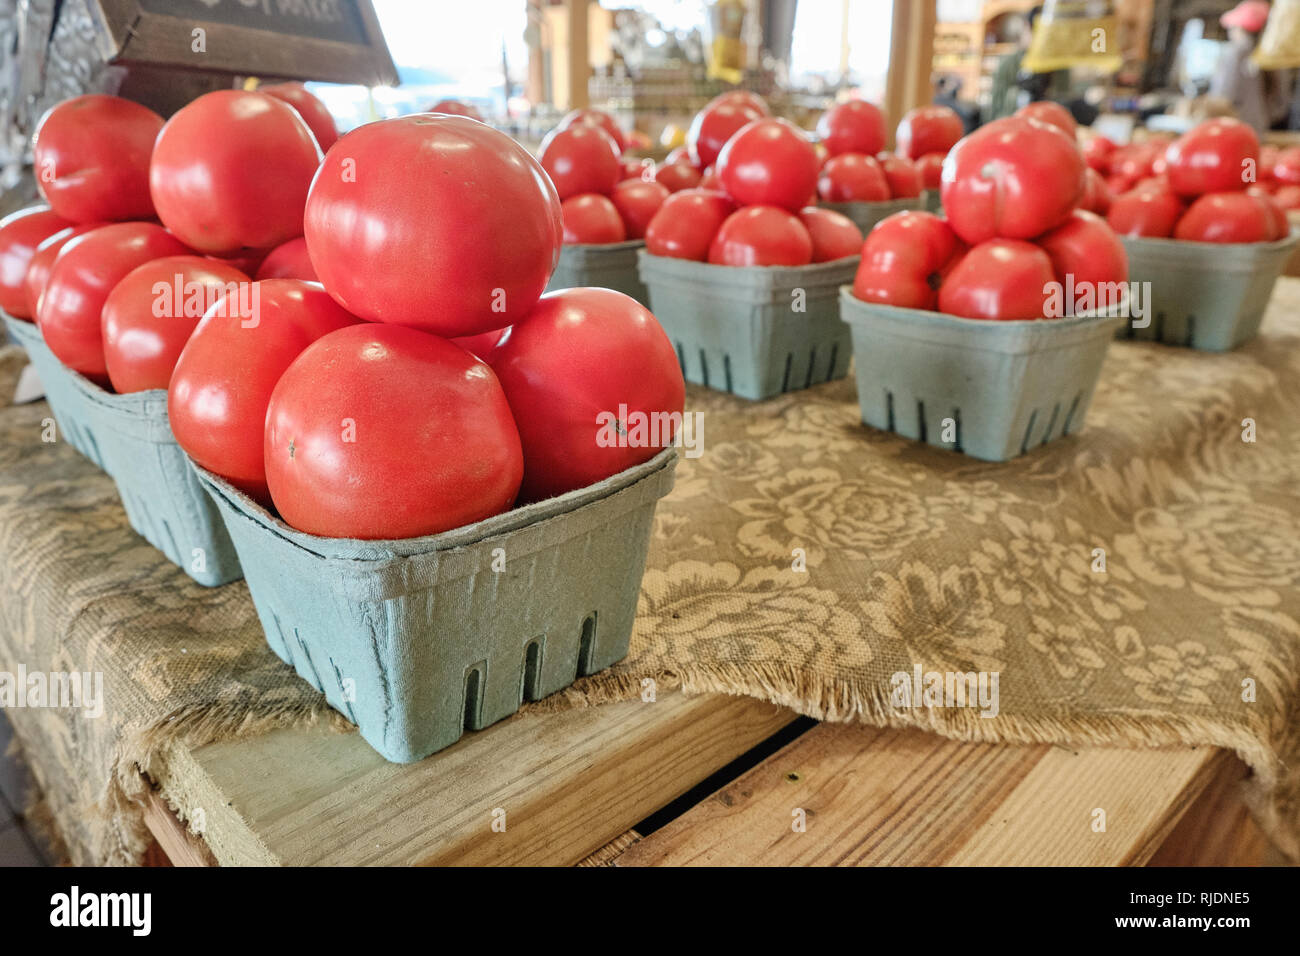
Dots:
(599, 119)
(581, 159)
(1232, 216)
(591, 219)
(769, 163)
(1014, 178)
(637, 202)
(289, 260)
(1287, 197)
(928, 129)
(1097, 153)
(21, 233)
(752, 100)
(1212, 157)
(833, 235)
(394, 474)
(714, 125)
(853, 177)
(484, 345)
(761, 236)
(313, 112)
(1086, 248)
(456, 108)
(151, 313)
(1002, 279)
(42, 261)
(854, 126)
(83, 274)
(91, 158)
(904, 260)
(231, 171)
(1051, 113)
(1286, 166)
(1145, 212)
(686, 223)
(930, 166)
(455, 228)
(1096, 194)
(578, 362)
(677, 176)
(903, 177)
(217, 398)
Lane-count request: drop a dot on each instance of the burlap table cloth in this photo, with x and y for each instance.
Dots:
(913, 556)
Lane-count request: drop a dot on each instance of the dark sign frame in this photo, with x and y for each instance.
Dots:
(131, 33)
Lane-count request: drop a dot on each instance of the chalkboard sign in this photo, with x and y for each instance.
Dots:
(330, 40)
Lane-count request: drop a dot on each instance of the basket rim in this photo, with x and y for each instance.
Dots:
(515, 519)
(935, 317)
(1171, 244)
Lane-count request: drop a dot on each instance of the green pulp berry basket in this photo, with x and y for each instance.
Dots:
(609, 266)
(865, 215)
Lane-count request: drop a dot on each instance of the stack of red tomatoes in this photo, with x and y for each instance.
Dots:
(856, 168)
(1204, 188)
(1014, 231)
(1279, 175)
(760, 215)
(344, 403)
(925, 135)
(604, 197)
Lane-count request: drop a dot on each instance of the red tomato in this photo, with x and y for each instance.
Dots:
(231, 170)
(1004, 279)
(1014, 177)
(1145, 212)
(834, 235)
(457, 253)
(677, 176)
(288, 261)
(714, 125)
(1228, 217)
(633, 168)
(1097, 153)
(853, 177)
(1135, 160)
(761, 236)
(1213, 157)
(593, 381)
(854, 126)
(1286, 166)
(21, 233)
(91, 158)
(248, 263)
(1096, 194)
(80, 280)
(456, 108)
(930, 166)
(1053, 114)
(904, 178)
(484, 345)
(637, 203)
(601, 120)
(591, 219)
(313, 112)
(752, 100)
(769, 163)
(686, 223)
(38, 270)
(581, 159)
(345, 458)
(709, 179)
(218, 395)
(928, 129)
(679, 155)
(1268, 154)
(904, 260)
(151, 313)
(1281, 224)
(1287, 197)
(1086, 248)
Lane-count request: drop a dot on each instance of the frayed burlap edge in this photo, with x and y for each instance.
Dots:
(1272, 793)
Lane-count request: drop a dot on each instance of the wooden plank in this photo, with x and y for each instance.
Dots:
(881, 797)
(911, 58)
(567, 783)
(606, 855)
(181, 847)
(1218, 830)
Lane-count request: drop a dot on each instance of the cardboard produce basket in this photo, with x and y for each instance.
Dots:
(737, 329)
(1204, 295)
(866, 214)
(130, 438)
(416, 641)
(608, 266)
(991, 390)
(931, 201)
